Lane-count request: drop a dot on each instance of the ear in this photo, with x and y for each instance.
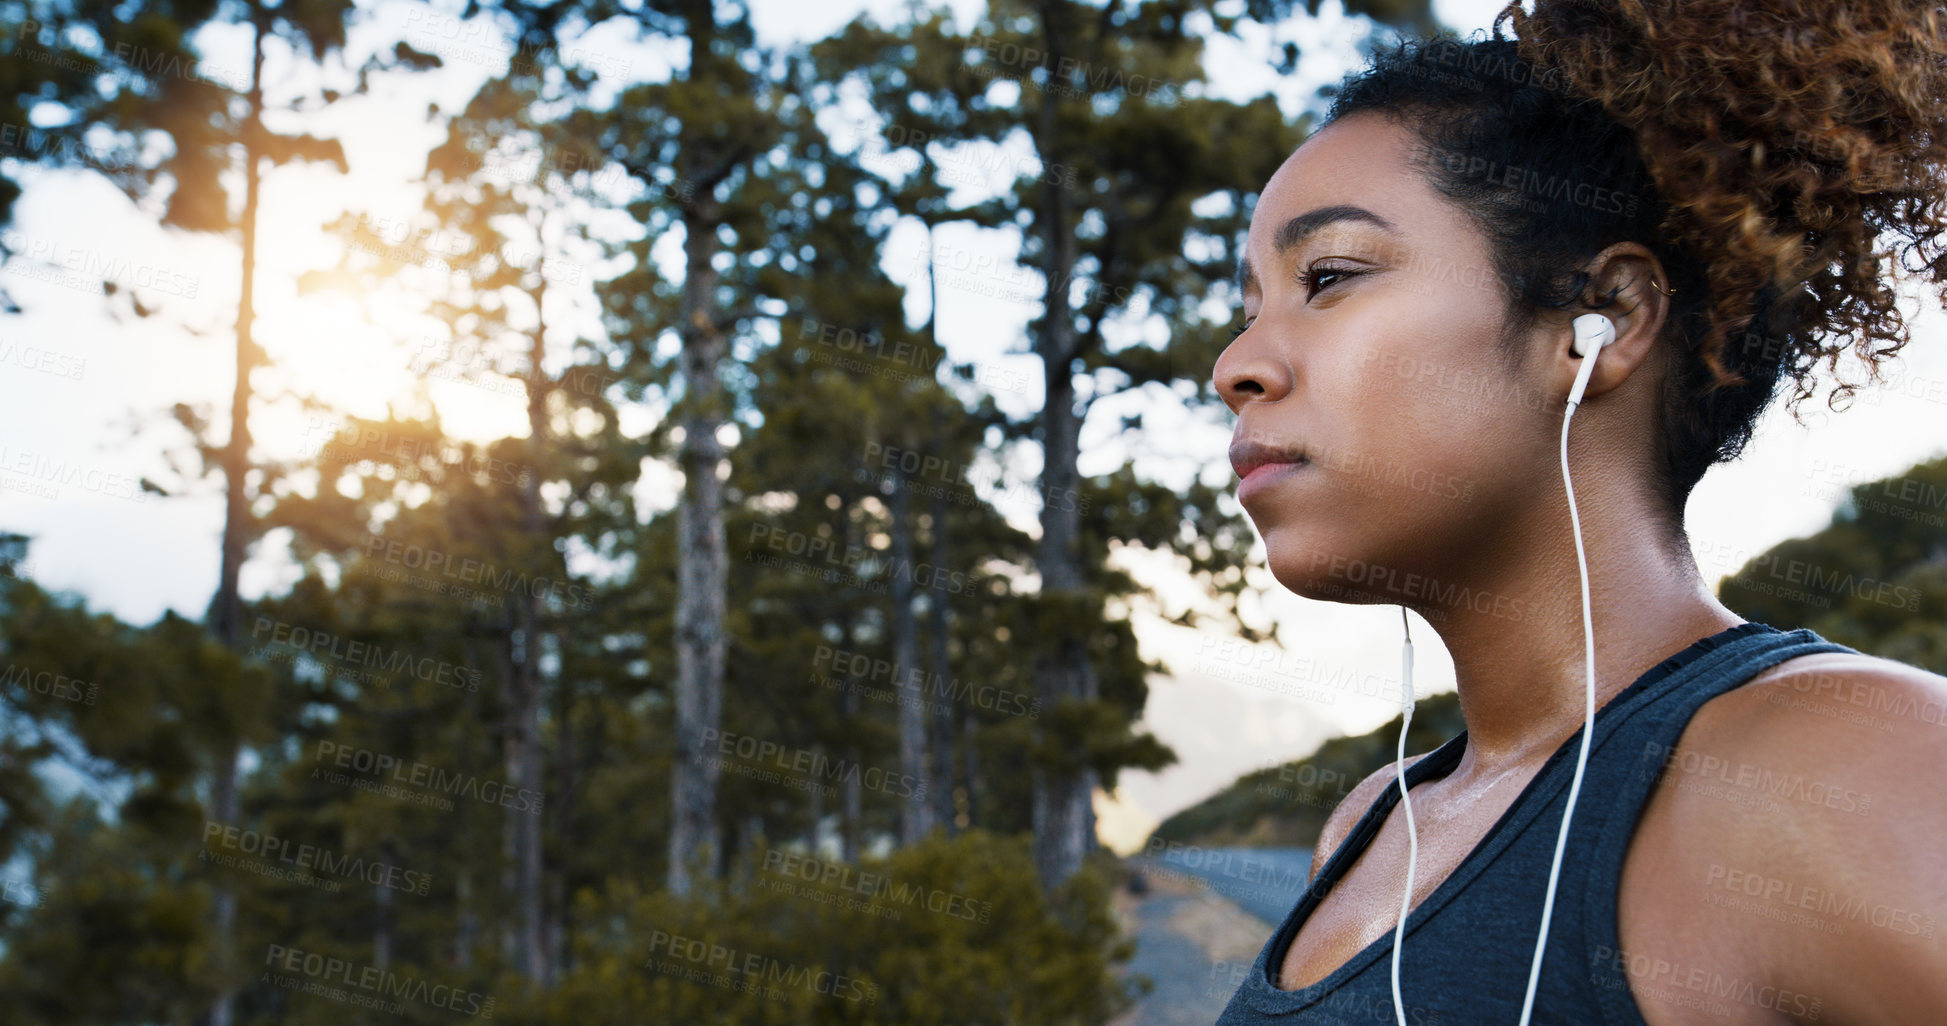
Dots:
(1630, 276)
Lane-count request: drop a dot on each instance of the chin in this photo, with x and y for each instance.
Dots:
(1313, 567)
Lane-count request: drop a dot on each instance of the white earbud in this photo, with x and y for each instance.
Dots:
(1592, 332)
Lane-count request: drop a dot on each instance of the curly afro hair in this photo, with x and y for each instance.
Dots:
(1782, 160)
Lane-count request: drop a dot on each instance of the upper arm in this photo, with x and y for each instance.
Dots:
(1846, 883)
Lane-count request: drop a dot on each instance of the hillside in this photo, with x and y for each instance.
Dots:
(1287, 806)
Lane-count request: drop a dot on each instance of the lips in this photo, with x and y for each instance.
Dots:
(1248, 455)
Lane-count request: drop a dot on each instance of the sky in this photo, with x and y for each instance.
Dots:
(80, 386)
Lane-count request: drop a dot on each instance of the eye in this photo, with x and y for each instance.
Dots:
(1241, 328)
(1316, 279)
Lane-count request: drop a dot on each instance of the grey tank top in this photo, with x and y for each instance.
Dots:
(1469, 944)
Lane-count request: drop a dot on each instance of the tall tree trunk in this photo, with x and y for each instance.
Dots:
(703, 562)
(528, 685)
(916, 813)
(386, 924)
(466, 925)
(553, 928)
(817, 834)
(1064, 817)
(946, 804)
(1064, 828)
(939, 667)
(511, 657)
(970, 764)
(225, 617)
(750, 834)
(558, 807)
(851, 798)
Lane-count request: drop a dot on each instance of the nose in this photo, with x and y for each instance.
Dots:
(1251, 370)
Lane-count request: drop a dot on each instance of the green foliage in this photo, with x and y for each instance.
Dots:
(108, 730)
(944, 931)
(569, 688)
(118, 936)
(1874, 578)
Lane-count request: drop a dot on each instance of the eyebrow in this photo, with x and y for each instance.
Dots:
(1302, 227)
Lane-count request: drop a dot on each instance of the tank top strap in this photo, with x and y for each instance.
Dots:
(1639, 738)
(1469, 944)
(1438, 763)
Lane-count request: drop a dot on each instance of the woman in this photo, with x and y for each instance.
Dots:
(1716, 179)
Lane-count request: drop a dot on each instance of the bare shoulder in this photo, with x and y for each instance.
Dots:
(1877, 721)
(1801, 825)
(1351, 808)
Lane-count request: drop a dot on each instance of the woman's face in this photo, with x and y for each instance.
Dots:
(1386, 448)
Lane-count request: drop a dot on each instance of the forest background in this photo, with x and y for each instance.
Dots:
(563, 513)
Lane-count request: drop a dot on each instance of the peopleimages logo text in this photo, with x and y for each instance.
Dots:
(345, 651)
(474, 571)
(323, 861)
(379, 981)
(419, 774)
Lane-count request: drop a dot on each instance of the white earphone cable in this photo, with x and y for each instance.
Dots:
(1588, 720)
(1412, 835)
(1581, 762)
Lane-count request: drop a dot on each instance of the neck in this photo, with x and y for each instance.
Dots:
(1518, 647)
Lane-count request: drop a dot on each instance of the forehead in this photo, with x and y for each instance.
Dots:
(1348, 154)
(1363, 160)
(1361, 174)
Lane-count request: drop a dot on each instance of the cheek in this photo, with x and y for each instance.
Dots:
(1465, 440)
(1413, 455)
(1416, 427)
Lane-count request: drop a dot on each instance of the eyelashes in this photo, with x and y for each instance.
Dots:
(1313, 280)
(1311, 277)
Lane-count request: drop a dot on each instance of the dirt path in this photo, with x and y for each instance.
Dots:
(1191, 943)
